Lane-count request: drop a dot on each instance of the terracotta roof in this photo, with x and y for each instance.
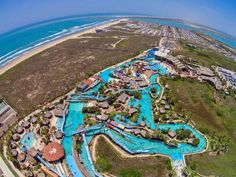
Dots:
(88, 82)
(53, 152)
(33, 151)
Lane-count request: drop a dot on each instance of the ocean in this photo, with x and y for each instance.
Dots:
(22, 40)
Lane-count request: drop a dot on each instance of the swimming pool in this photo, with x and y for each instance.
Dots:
(28, 140)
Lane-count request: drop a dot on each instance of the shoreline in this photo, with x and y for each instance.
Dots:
(35, 51)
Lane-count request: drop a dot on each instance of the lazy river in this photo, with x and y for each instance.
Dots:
(128, 142)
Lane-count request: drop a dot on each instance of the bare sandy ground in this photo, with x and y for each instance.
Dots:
(53, 43)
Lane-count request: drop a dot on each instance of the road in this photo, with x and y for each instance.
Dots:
(6, 171)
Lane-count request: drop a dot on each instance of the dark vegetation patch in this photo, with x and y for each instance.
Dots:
(117, 165)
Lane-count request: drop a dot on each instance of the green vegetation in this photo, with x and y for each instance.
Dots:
(153, 90)
(202, 108)
(136, 94)
(183, 134)
(102, 164)
(130, 167)
(135, 117)
(91, 110)
(206, 57)
(168, 164)
(195, 141)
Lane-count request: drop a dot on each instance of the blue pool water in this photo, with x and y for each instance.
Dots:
(106, 75)
(28, 140)
(73, 120)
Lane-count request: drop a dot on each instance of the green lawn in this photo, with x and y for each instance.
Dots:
(111, 161)
(197, 100)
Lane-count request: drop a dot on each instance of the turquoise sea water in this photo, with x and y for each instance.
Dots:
(20, 41)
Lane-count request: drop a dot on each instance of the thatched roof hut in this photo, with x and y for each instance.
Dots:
(33, 119)
(48, 115)
(143, 124)
(14, 152)
(21, 157)
(46, 121)
(13, 144)
(58, 134)
(143, 133)
(162, 110)
(32, 152)
(171, 134)
(19, 129)
(16, 137)
(26, 124)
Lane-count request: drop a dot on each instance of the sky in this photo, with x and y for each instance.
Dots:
(219, 14)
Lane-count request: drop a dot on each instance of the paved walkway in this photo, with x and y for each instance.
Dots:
(6, 171)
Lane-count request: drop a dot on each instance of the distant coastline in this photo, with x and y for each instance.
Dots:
(43, 47)
(13, 53)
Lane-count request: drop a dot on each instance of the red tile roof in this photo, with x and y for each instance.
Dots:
(53, 152)
(88, 82)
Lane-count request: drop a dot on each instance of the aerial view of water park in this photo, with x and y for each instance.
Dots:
(118, 110)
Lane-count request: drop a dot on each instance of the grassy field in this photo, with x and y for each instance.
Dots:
(206, 57)
(57, 70)
(108, 159)
(197, 100)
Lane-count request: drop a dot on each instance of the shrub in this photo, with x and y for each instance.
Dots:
(204, 130)
(183, 134)
(195, 141)
(153, 90)
(168, 164)
(91, 110)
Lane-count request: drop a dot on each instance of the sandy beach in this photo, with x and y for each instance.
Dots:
(53, 43)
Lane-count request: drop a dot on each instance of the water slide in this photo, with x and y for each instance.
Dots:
(89, 156)
(49, 166)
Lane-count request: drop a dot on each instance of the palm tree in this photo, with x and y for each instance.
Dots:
(132, 100)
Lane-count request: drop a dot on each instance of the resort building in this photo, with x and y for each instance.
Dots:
(7, 117)
(227, 75)
(123, 98)
(175, 63)
(214, 81)
(81, 87)
(103, 105)
(204, 71)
